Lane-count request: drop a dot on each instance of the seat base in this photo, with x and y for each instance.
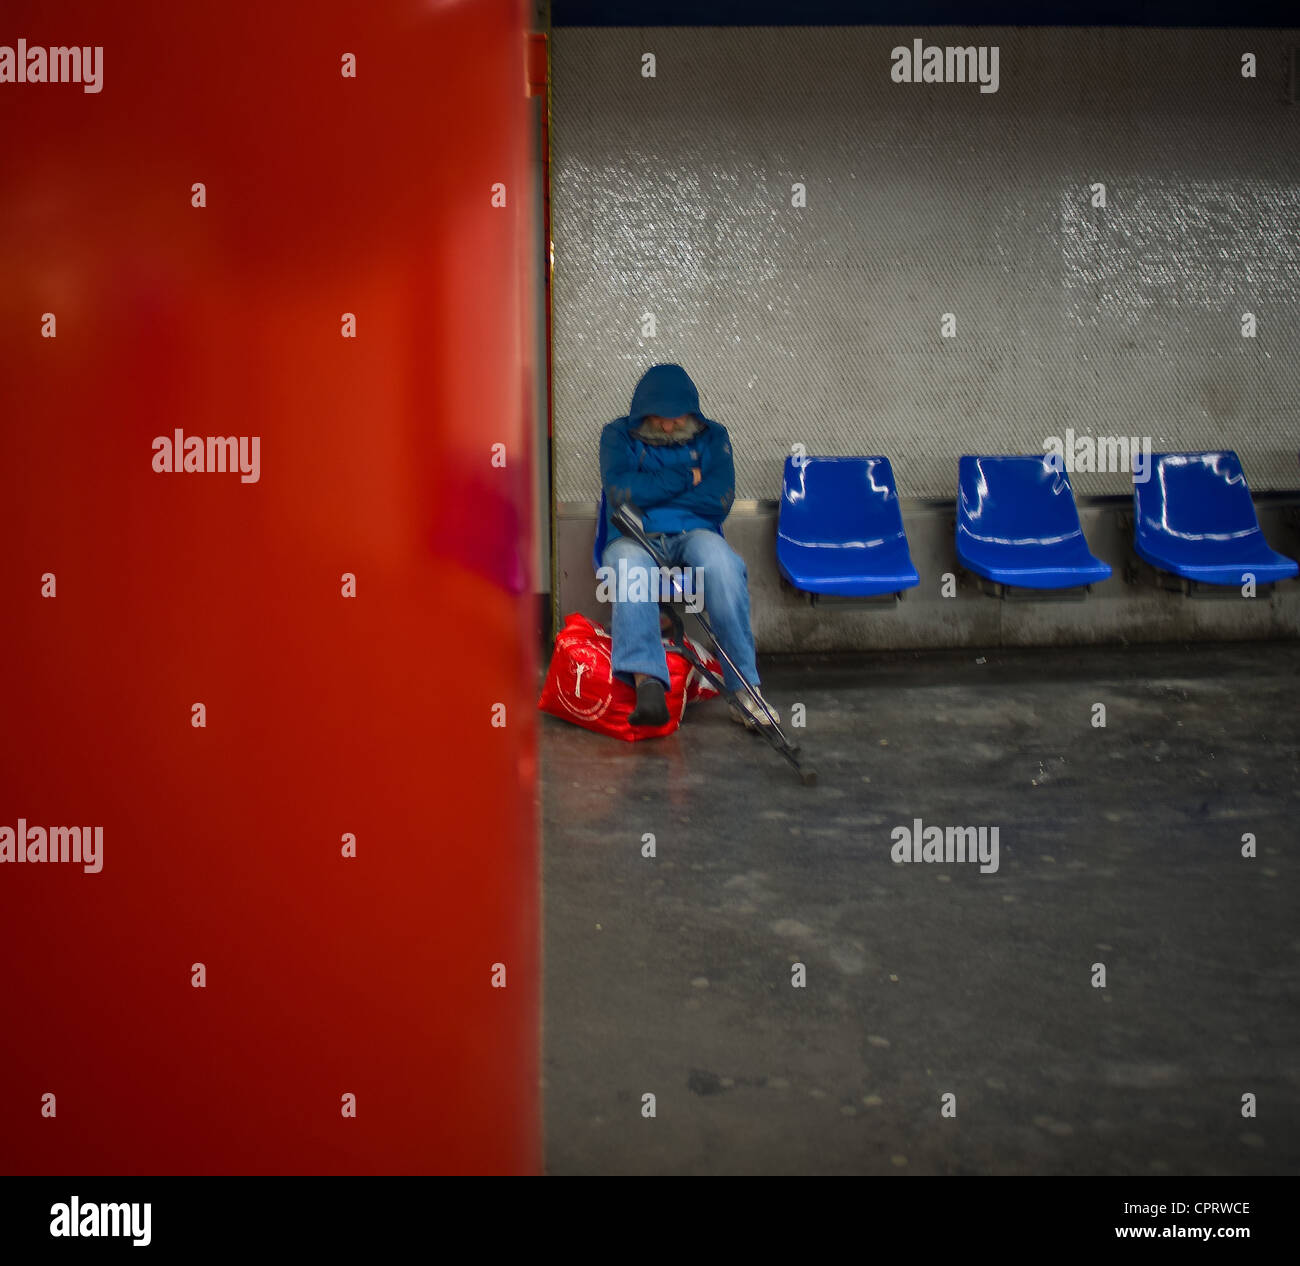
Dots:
(1021, 593)
(1067, 576)
(851, 601)
(1267, 569)
(880, 583)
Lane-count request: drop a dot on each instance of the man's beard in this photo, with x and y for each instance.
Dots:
(684, 429)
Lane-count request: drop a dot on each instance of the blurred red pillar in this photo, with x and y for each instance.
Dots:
(401, 196)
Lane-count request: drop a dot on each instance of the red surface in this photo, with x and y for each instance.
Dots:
(325, 715)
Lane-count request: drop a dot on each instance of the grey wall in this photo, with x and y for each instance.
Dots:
(820, 325)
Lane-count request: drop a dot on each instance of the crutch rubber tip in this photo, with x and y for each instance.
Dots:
(808, 777)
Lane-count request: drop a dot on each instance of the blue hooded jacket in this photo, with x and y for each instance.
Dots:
(656, 477)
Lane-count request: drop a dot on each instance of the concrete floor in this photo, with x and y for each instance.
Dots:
(1120, 846)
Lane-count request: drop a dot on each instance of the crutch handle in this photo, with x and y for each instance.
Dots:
(627, 515)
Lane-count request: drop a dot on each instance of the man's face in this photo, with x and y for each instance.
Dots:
(668, 425)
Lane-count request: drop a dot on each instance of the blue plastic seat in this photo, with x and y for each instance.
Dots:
(839, 529)
(1017, 524)
(1194, 517)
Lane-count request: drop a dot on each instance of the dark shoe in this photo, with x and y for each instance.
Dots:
(651, 705)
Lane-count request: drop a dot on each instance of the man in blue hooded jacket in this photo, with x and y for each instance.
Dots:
(674, 465)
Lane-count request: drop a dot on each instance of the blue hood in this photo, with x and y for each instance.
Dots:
(666, 390)
(658, 476)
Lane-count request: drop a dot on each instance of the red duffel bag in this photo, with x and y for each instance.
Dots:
(581, 686)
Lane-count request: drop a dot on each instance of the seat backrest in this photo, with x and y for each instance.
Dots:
(1014, 500)
(828, 500)
(1196, 496)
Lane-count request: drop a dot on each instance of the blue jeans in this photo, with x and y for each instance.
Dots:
(719, 577)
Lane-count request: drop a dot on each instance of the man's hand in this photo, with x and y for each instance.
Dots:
(695, 476)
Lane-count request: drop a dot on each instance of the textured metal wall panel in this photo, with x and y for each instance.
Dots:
(821, 325)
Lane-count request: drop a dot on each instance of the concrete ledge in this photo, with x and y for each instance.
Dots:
(1133, 606)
